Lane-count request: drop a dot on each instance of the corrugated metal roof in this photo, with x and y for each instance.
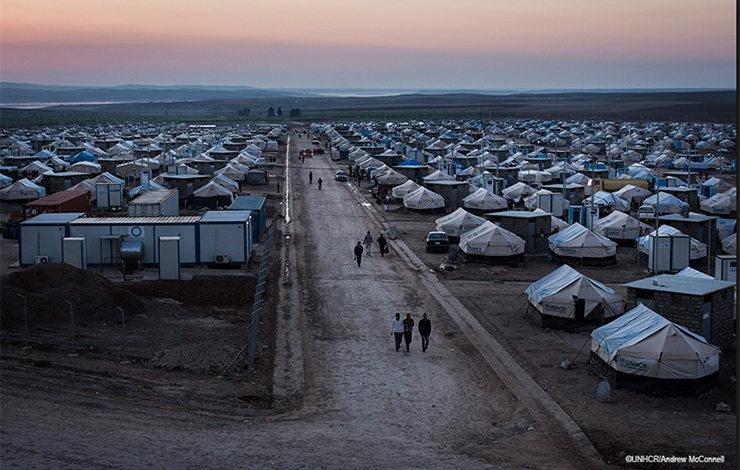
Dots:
(56, 218)
(226, 216)
(154, 196)
(183, 219)
(248, 203)
(58, 197)
(680, 284)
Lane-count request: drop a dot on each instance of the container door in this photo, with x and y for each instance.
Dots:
(530, 239)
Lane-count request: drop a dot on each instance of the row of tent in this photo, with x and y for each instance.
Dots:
(642, 349)
(481, 238)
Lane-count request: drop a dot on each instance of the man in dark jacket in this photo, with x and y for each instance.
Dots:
(358, 254)
(425, 329)
(382, 244)
(408, 329)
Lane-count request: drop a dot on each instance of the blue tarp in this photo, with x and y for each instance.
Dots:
(83, 156)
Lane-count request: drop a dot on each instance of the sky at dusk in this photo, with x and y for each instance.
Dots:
(412, 44)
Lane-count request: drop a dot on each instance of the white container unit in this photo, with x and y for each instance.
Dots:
(74, 252)
(163, 202)
(552, 203)
(169, 258)
(225, 237)
(40, 238)
(725, 268)
(668, 253)
(109, 195)
(105, 234)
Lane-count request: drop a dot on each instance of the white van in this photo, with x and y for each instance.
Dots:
(646, 213)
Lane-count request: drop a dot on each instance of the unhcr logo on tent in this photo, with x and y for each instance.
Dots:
(632, 364)
(554, 308)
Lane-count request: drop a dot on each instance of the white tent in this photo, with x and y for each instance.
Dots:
(226, 183)
(555, 224)
(106, 177)
(371, 163)
(86, 167)
(620, 226)
(632, 193)
(402, 190)
(5, 181)
(87, 185)
(213, 189)
(720, 203)
(698, 249)
(534, 176)
(669, 204)
(578, 178)
(517, 190)
(726, 227)
(607, 199)
(554, 295)
(484, 200)
(148, 186)
(729, 244)
(579, 242)
(423, 199)
(490, 240)
(22, 189)
(691, 272)
(458, 222)
(391, 177)
(438, 176)
(35, 167)
(643, 343)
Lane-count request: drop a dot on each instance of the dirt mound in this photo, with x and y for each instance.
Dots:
(202, 291)
(47, 286)
(204, 359)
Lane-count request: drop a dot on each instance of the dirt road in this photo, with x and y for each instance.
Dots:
(362, 404)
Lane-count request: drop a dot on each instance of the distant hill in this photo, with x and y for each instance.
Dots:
(27, 93)
(691, 106)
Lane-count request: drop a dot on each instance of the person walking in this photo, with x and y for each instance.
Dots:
(382, 245)
(319, 183)
(386, 200)
(425, 329)
(358, 254)
(408, 330)
(368, 241)
(310, 177)
(397, 330)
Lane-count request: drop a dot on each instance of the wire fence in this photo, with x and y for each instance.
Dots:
(259, 298)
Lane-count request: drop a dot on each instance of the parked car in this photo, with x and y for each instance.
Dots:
(646, 213)
(341, 176)
(438, 241)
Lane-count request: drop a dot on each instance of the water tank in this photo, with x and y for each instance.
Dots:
(132, 251)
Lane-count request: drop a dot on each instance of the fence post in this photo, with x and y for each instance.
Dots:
(72, 319)
(25, 318)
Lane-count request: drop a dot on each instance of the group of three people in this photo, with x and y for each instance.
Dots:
(402, 330)
(368, 242)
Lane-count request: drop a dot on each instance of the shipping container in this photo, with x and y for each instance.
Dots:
(60, 202)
